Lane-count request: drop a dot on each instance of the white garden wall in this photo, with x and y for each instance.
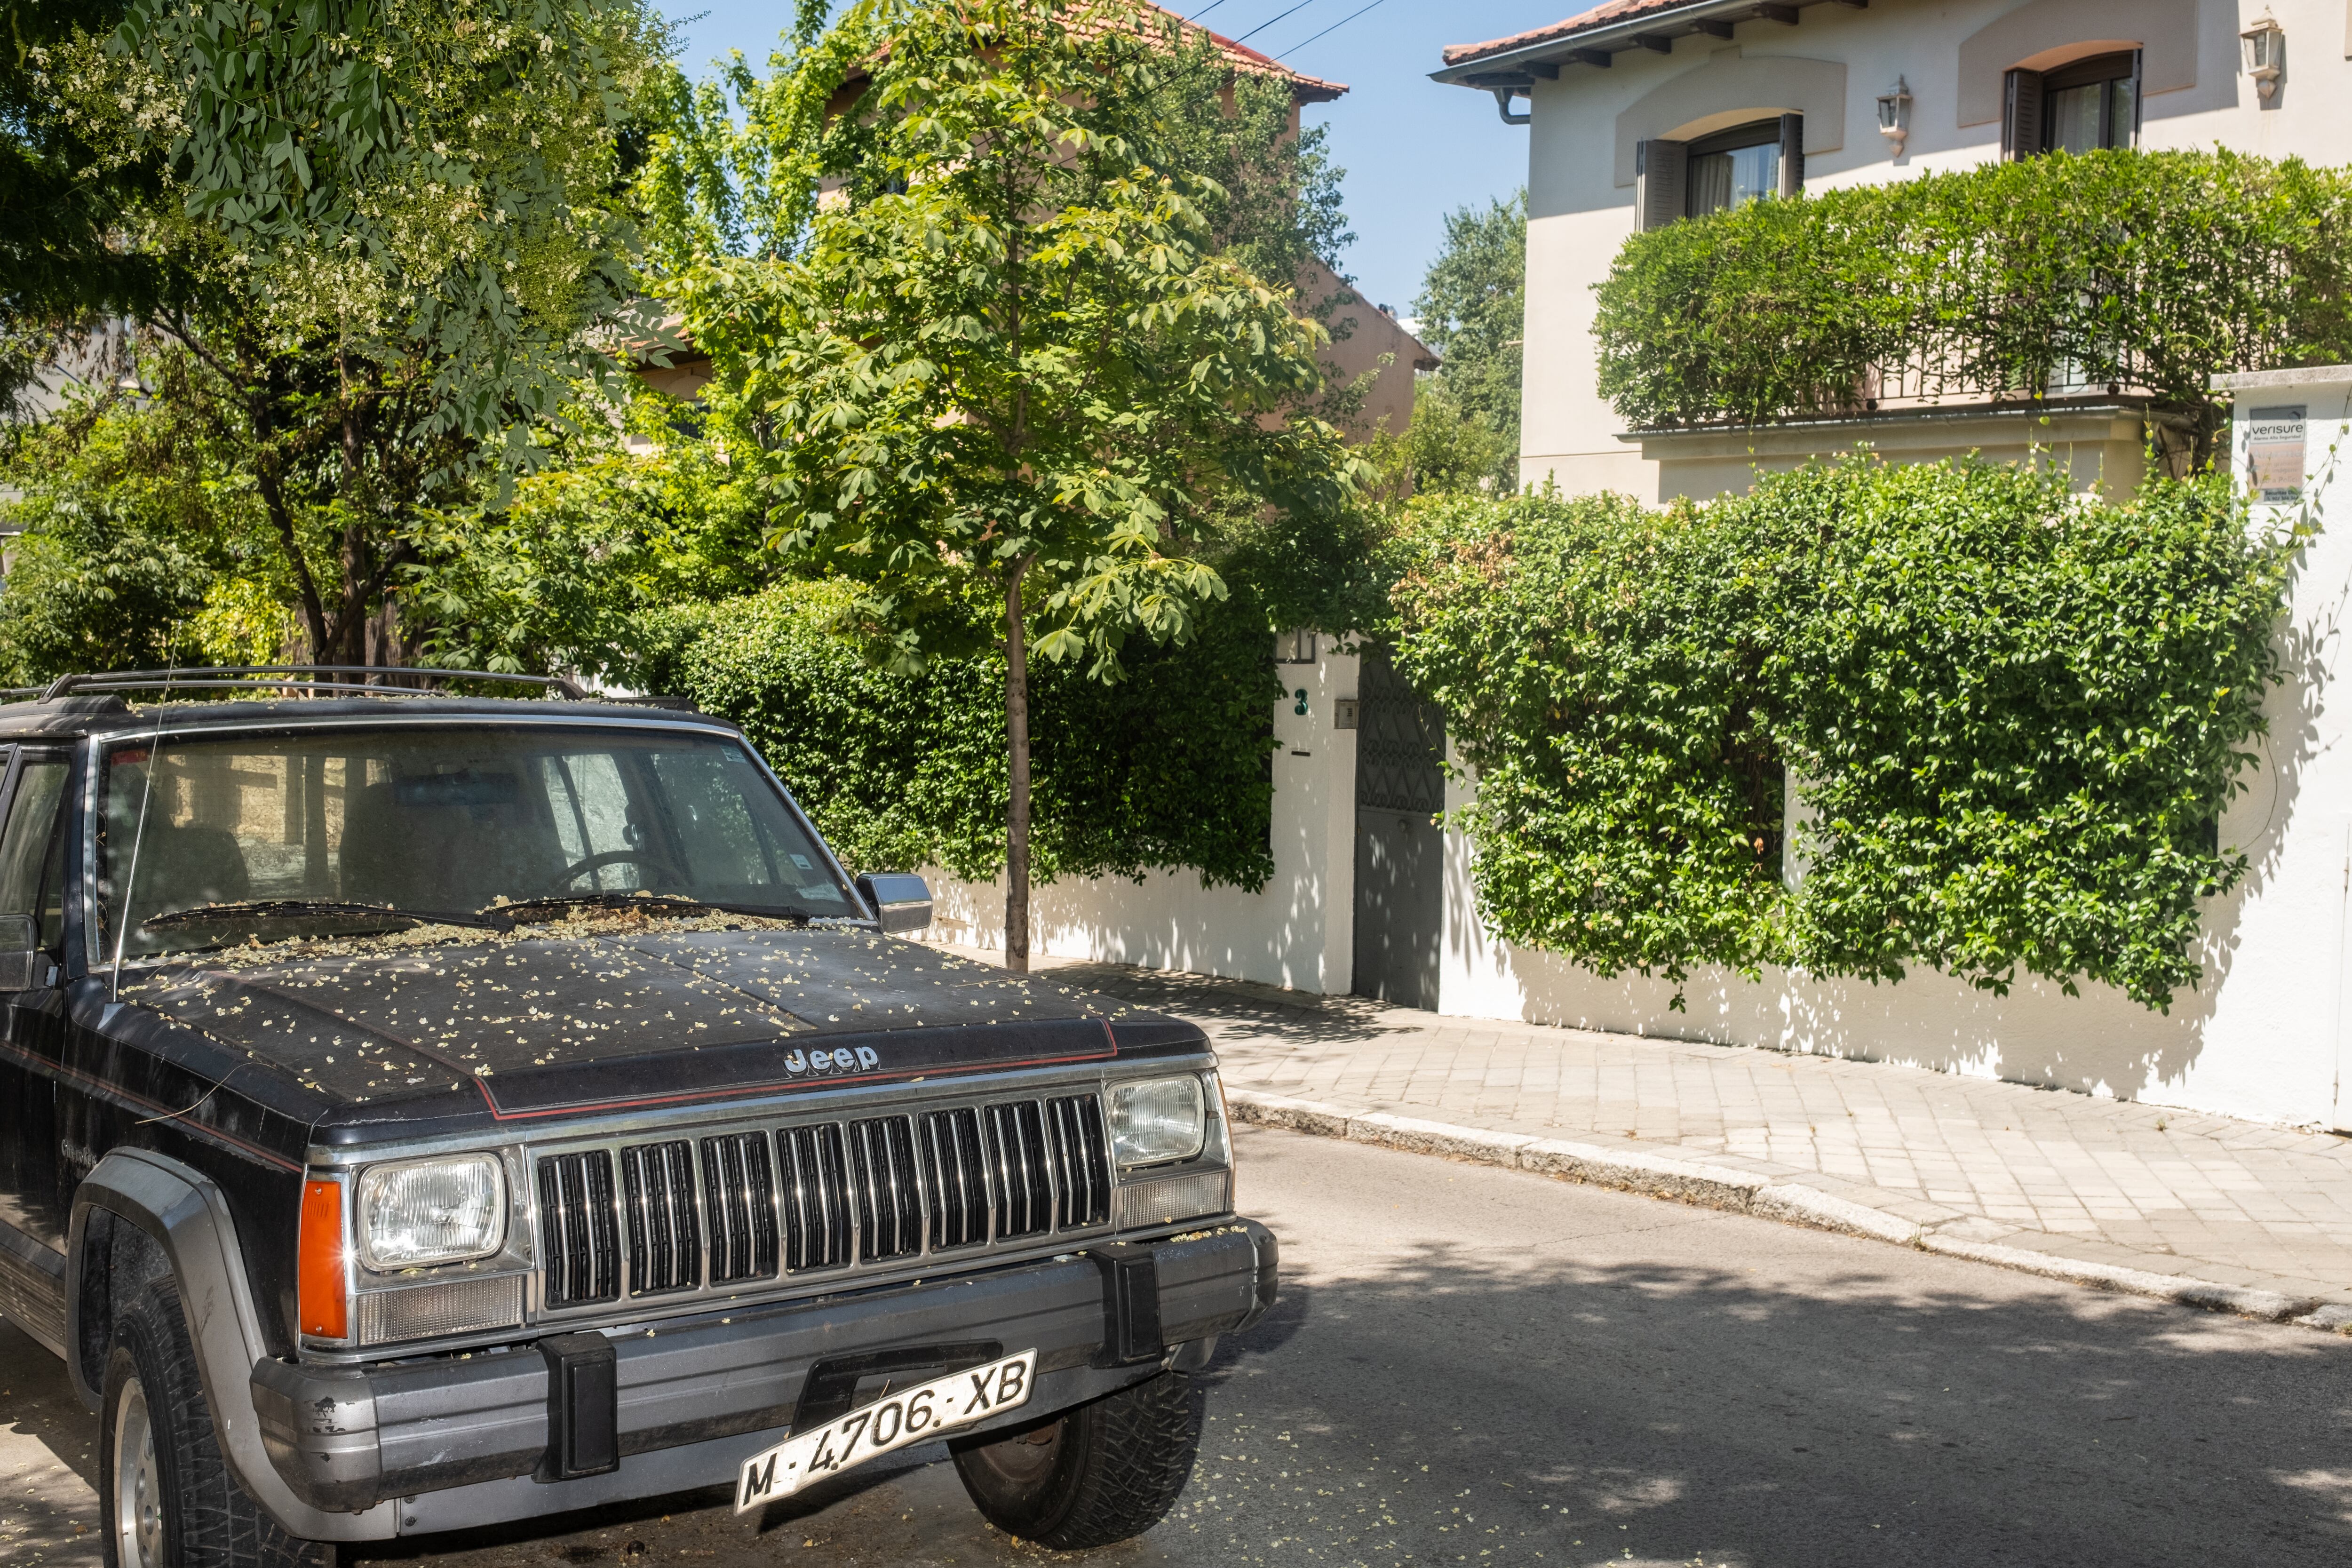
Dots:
(2264, 1037)
(1298, 932)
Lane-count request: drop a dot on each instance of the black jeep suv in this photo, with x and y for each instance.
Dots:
(419, 1112)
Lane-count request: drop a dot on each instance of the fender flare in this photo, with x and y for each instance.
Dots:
(185, 1213)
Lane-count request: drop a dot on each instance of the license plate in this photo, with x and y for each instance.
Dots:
(917, 1415)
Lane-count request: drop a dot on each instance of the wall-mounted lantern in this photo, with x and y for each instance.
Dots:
(2266, 49)
(1894, 115)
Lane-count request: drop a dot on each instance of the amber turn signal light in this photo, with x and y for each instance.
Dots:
(318, 1295)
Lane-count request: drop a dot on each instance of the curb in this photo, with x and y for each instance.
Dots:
(1707, 1185)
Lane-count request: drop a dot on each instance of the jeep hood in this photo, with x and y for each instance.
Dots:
(541, 1024)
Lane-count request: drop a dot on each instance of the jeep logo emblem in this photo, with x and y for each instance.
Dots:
(863, 1059)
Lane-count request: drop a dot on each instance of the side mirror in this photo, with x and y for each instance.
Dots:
(23, 964)
(899, 901)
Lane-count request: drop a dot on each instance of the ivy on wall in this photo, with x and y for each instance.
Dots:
(1167, 769)
(2015, 714)
(2149, 270)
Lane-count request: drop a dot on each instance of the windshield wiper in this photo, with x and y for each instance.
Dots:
(526, 911)
(298, 908)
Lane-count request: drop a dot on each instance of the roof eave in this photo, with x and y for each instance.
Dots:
(1523, 66)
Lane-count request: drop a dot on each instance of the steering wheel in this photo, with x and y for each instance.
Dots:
(573, 873)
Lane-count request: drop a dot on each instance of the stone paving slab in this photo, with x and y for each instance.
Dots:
(2231, 1213)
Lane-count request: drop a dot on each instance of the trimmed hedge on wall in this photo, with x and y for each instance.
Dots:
(2017, 715)
(1168, 769)
(2148, 269)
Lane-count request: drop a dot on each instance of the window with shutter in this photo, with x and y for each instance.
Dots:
(1792, 154)
(1660, 172)
(2081, 108)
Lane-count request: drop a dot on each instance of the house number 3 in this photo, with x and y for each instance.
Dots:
(1301, 695)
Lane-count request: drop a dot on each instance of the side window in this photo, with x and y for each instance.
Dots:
(32, 850)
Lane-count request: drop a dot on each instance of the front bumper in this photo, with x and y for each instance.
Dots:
(465, 1440)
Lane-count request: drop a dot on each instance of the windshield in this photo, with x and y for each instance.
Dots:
(216, 840)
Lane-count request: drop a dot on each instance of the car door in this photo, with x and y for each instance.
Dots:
(34, 1185)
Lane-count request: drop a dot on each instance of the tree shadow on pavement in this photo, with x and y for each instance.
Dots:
(1894, 1411)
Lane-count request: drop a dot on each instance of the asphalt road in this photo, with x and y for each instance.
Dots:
(1480, 1366)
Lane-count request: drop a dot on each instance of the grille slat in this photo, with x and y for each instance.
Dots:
(1081, 1161)
(882, 1168)
(579, 1232)
(739, 1184)
(955, 1177)
(665, 1243)
(816, 1209)
(1025, 1189)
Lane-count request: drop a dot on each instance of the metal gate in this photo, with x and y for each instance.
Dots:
(1400, 853)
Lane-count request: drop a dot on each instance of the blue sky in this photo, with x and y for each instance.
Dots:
(1413, 150)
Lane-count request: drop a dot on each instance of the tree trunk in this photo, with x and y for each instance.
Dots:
(1016, 746)
(350, 628)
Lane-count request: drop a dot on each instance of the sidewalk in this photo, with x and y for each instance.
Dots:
(2198, 1208)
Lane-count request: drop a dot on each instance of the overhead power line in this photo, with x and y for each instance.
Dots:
(1262, 27)
(1204, 10)
(1332, 29)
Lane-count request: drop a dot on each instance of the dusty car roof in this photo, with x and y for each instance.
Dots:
(73, 717)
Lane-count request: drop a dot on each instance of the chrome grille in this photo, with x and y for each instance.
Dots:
(717, 1212)
(739, 1183)
(955, 1177)
(817, 1200)
(578, 1235)
(665, 1240)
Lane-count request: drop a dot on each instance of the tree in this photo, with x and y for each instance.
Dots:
(63, 192)
(396, 228)
(1009, 368)
(140, 535)
(1472, 309)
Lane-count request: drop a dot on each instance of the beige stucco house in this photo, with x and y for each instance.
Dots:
(1641, 112)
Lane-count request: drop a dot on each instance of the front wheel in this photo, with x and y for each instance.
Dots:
(1106, 1471)
(169, 1499)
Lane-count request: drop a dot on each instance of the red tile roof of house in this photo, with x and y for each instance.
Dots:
(1598, 16)
(1310, 90)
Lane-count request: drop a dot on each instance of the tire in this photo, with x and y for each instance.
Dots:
(166, 1499)
(1103, 1472)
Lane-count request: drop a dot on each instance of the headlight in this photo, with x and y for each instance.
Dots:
(1161, 1120)
(432, 1211)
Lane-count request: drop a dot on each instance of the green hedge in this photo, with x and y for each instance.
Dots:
(2017, 713)
(2156, 269)
(1169, 768)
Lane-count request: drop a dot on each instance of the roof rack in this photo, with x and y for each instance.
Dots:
(377, 681)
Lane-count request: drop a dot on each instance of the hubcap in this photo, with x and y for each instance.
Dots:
(138, 1483)
(1026, 1457)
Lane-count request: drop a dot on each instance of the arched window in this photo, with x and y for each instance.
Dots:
(2078, 108)
(1726, 169)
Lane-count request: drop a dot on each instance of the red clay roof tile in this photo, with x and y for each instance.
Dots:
(1598, 16)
